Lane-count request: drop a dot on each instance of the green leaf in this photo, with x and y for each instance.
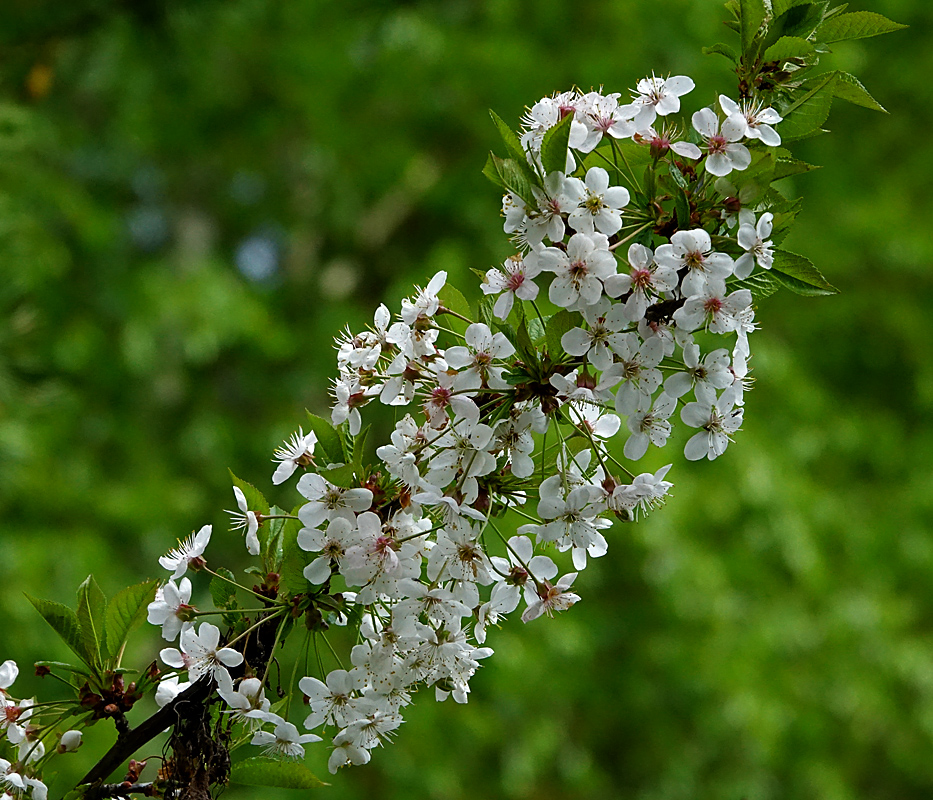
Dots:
(761, 285)
(360, 445)
(798, 274)
(682, 209)
(126, 610)
(789, 47)
(554, 146)
(786, 167)
(752, 15)
(798, 21)
(64, 622)
(294, 559)
(222, 593)
(722, 50)
(255, 500)
(269, 772)
(452, 299)
(345, 477)
(855, 25)
(848, 87)
(514, 146)
(329, 440)
(557, 326)
(506, 173)
(810, 111)
(92, 613)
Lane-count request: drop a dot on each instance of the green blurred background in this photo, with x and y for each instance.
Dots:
(196, 196)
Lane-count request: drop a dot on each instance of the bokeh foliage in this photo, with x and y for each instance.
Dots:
(195, 196)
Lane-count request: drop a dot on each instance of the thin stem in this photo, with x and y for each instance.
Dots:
(275, 643)
(631, 236)
(253, 627)
(234, 583)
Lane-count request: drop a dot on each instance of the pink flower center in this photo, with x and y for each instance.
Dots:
(717, 143)
(515, 281)
(578, 270)
(641, 278)
(713, 305)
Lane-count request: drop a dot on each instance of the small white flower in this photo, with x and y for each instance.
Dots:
(515, 279)
(657, 96)
(296, 452)
(188, 553)
(245, 519)
(758, 119)
(752, 238)
(200, 653)
(286, 741)
(599, 205)
(724, 152)
(169, 606)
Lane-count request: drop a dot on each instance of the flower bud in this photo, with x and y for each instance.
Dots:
(70, 741)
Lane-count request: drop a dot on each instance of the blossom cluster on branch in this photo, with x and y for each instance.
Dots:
(642, 243)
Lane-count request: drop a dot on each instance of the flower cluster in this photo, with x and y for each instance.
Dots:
(637, 240)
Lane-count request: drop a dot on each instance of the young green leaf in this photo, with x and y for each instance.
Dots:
(848, 87)
(64, 622)
(452, 299)
(294, 560)
(789, 47)
(722, 50)
(557, 326)
(554, 146)
(855, 25)
(223, 593)
(507, 174)
(514, 146)
(810, 111)
(125, 611)
(761, 285)
(329, 441)
(92, 613)
(798, 274)
(752, 15)
(270, 772)
(799, 21)
(255, 500)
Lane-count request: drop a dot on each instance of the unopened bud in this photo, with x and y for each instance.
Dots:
(70, 741)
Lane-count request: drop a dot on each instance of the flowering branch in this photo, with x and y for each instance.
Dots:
(392, 543)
